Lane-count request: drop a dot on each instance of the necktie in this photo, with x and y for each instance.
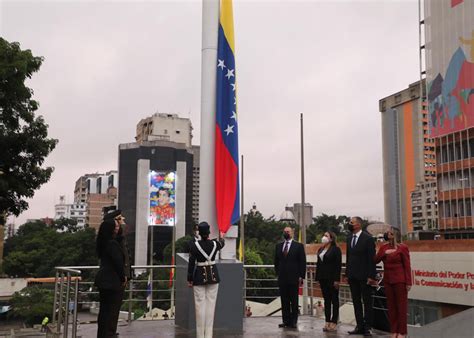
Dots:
(285, 249)
(354, 238)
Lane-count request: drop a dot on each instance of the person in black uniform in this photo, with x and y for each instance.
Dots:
(195, 237)
(116, 215)
(111, 278)
(360, 271)
(290, 267)
(328, 274)
(203, 277)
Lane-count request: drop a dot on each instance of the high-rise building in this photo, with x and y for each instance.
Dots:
(449, 35)
(424, 206)
(96, 202)
(93, 192)
(159, 184)
(74, 211)
(308, 213)
(80, 189)
(165, 127)
(408, 153)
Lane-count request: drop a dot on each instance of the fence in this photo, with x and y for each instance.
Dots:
(74, 291)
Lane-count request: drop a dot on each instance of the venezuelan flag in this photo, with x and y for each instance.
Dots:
(227, 146)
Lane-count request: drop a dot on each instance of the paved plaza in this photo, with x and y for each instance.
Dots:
(253, 327)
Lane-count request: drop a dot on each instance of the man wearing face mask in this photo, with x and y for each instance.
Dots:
(290, 267)
(360, 271)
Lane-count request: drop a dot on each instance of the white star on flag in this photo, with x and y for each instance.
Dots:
(229, 130)
(233, 86)
(235, 100)
(234, 116)
(230, 73)
(221, 64)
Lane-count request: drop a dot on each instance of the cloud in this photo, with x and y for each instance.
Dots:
(110, 64)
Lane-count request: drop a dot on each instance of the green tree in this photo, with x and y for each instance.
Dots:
(261, 235)
(32, 304)
(36, 249)
(66, 224)
(24, 141)
(323, 223)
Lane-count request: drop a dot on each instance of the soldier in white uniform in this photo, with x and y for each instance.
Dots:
(203, 277)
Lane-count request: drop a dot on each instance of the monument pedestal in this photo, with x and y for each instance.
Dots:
(230, 298)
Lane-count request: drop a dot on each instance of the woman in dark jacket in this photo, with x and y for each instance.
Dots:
(110, 279)
(328, 274)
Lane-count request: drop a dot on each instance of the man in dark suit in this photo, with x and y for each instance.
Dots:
(290, 267)
(360, 271)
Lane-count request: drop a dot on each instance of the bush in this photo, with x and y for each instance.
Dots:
(32, 304)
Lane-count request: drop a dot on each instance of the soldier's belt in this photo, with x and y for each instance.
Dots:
(206, 263)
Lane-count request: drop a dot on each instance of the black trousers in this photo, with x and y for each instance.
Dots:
(362, 292)
(116, 311)
(331, 300)
(110, 302)
(289, 303)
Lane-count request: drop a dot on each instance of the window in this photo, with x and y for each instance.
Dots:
(111, 181)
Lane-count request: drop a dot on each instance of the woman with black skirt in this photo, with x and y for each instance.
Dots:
(110, 279)
(328, 274)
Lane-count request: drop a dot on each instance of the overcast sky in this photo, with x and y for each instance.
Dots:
(109, 64)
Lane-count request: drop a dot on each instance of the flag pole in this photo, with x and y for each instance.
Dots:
(302, 223)
(151, 270)
(210, 28)
(172, 270)
(242, 220)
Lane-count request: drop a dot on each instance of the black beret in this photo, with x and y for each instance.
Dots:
(204, 228)
(112, 214)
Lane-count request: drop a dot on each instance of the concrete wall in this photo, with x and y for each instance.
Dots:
(8, 286)
(458, 326)
(230, 302)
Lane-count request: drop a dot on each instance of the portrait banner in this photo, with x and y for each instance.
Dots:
(162, 195)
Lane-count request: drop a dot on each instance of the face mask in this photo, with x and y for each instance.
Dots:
(325, 240)
(350, 227)
(286, 235)
(385, 236)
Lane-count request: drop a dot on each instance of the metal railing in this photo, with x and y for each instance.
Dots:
(74, 289)
(61, 301)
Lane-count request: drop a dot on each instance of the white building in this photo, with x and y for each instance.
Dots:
(99, 183)
(165, 127)
(75, 211)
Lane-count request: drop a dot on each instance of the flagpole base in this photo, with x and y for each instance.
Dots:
(228, 317)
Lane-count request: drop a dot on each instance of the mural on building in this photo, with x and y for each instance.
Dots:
(450, 66)
(162, 198)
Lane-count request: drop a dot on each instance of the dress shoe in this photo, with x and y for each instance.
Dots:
(356, 331)
(367, 333)
(282, 325)
(332, 327)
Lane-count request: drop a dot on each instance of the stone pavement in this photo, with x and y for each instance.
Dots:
(253, 327)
